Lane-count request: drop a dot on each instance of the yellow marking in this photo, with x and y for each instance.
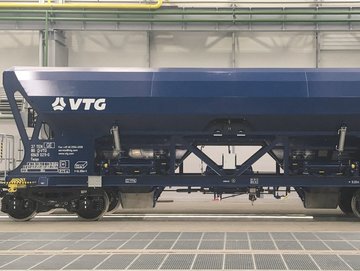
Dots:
(16, 183)
(285, 197)
(1, 149)
(49, 5)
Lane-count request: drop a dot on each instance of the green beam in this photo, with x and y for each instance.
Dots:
(286, 16)
(228, 11)
(154, 20)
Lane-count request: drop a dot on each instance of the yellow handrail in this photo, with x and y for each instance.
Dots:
(97, 5)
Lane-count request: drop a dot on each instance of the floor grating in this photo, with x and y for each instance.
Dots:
(269, 262)
(180, 251)
(299, 262)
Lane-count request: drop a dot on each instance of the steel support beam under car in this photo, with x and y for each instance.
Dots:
(203, 157)
(199, 180)
(256, 156)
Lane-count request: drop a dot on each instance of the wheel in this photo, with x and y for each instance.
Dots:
(345, 202)
(114, 199)
(355, 203)
(20, 209)
(93, 207)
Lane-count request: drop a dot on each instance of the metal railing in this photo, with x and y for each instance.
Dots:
(7, 154)
(5, 109)
(198, 2)
(81, 5)
(194, 15)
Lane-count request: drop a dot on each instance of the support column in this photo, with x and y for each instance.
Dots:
(53, 49)
(148, 49)
(317, 48)
(233, 50)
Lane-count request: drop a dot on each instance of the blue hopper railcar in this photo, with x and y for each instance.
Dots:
(105, 137)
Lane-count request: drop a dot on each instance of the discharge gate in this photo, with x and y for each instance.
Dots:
(100, 138)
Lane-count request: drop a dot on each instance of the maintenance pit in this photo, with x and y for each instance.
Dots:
(199, 235)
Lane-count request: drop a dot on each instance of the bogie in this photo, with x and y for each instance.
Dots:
(19, 208)
(92, 206)
(355, 203)
(345, 199)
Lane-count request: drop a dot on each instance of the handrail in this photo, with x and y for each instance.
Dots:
(151, 20)
(231, 2)
(156, 5)
(267, 3)
(8, 153)
(199, 11)
(8, 5)
(229, 15)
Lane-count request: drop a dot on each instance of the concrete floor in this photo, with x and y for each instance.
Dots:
(187, 232)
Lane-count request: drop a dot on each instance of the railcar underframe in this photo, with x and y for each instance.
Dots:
(320, 184)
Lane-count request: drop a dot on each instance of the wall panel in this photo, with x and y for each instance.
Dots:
(191, 49)
(275, 50)
(107, 49)
(18, 48)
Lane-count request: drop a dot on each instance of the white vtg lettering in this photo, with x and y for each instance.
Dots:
(98, 104)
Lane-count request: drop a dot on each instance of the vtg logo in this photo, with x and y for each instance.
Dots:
(80, 103)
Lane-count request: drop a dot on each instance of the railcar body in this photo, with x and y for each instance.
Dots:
(105, 137)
